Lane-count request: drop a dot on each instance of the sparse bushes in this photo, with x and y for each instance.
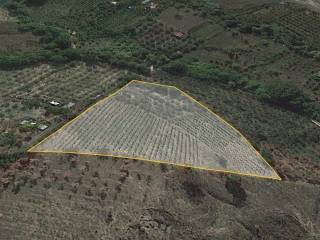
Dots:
(88, 192)
(267, 156)
(6, 158)
(32, 103)
(233, 186)
(193, 191)
(163, 167)
(16, 187)
(57, 110)
(102, 194)
(61, 187)
(47, 184)
(316, 77)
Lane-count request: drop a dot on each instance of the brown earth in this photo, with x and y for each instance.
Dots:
(70, 197)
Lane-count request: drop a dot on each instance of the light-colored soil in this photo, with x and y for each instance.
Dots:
(314, 4)
(158, 123)
(5, 17)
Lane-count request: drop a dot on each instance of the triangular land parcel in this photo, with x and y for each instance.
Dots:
(158, 123)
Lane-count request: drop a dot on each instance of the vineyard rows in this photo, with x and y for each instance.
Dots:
(157, 123)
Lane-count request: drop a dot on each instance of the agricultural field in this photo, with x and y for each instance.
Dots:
(315, 4)
(289, 142)
(219, 35)
(258, 57)
(215, 35)
(157, 123)
(301, 21)
(158, 36)
(26, 95)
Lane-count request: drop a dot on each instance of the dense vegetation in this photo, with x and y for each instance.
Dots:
(56, 38)
(277, 93)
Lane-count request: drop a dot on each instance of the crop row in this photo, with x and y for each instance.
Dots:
(133, 124)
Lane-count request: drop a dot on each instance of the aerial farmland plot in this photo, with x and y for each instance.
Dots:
(157, 123)
(181, 19)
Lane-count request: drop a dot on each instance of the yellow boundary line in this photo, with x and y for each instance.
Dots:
(31, 150)
(80, 115)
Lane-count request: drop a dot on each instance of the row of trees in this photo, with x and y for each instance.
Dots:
(104, 55)
(204, 71)
(277, 93)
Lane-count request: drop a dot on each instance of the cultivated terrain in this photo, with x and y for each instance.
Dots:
(157, 123)
(255, 63)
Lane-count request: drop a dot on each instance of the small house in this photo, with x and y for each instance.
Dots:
(54, 103)
(42, 127)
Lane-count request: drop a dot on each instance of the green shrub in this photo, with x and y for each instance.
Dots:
(203, 71)
(6, 158)
(32, 103)
(35, 2)
(316, 77)
(7, 139)
(55, 110)
(57, 58)
(282, 94)
(177, 68)
(27, 127)
(267, 156)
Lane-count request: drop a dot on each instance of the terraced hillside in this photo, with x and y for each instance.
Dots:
(157, 123)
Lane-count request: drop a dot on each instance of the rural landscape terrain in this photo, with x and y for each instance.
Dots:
(254, 63)
(174, 129)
